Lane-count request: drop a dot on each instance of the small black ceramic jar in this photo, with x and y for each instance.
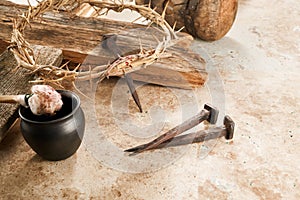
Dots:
(55, 137)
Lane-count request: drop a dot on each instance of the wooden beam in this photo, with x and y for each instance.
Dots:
(81, 39)
(3, 46)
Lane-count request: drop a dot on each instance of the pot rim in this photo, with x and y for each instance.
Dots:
(73, 94)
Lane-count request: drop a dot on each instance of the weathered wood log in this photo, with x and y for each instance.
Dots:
(81, 41)
(206, 19)
(3, 46)
(16, 81)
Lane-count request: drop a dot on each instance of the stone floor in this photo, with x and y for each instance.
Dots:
(254, 77)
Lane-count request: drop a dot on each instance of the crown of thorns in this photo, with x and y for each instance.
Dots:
(56, 74)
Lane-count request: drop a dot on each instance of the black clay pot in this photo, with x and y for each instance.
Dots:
(55, 137)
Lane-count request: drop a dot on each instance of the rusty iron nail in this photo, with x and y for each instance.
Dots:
(109, 42)
(209, 113)
(133, 92)
(213, 113)
(227, 131)
(229, 126)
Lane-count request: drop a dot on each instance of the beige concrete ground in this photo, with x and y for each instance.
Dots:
(257, 82)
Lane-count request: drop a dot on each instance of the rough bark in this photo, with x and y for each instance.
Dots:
(206, 19)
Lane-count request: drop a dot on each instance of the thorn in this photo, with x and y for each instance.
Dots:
(77, 67)
(65, 64)
(149, 4)
(179, 30)
(141, 47)
(137, 19)
(76, 89)
(161, 31)
(148, 26)
(174, 25)
(164, 11)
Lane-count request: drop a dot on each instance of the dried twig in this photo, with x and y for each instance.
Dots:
(56, 74)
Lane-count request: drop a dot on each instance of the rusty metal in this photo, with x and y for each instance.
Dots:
(133, 92)
(109, 43)
(209, 113)
(229, 125)
(227, 131)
